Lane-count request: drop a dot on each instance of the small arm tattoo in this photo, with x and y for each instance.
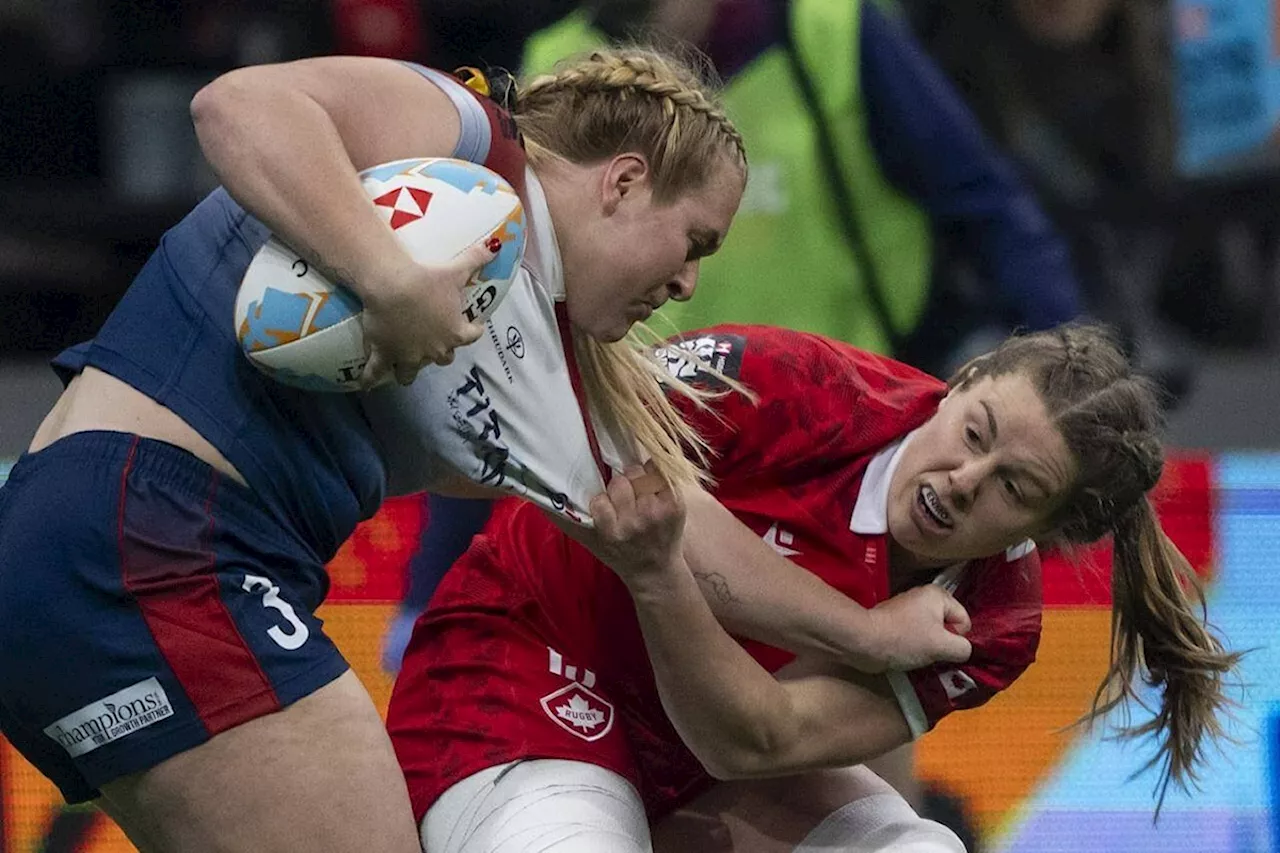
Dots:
(716, 584)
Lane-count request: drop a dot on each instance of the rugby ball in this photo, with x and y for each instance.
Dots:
(304, 330)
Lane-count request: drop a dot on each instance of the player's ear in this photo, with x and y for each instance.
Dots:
(622, 176)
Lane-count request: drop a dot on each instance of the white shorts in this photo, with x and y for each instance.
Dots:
(879, 824)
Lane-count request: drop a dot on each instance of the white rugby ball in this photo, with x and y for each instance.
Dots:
(305, 331)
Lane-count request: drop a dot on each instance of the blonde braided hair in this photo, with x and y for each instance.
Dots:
(594, 107)
(630, 99)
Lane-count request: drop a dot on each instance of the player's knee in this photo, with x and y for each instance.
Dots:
(883, 822)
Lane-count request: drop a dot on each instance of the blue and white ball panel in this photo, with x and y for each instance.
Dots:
(282, 300)
(409, 193)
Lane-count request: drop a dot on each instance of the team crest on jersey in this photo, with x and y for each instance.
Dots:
(579, 711)
(723, 353)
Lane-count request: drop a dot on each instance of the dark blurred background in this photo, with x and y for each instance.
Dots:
(1145, 127)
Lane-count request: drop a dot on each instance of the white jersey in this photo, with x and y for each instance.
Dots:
(505, 413)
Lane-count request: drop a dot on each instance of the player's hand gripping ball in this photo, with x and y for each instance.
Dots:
(306, 331)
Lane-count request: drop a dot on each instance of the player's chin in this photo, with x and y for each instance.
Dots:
(931, 549)
(613, 331)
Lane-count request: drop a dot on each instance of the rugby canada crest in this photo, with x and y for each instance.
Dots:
(578, 711)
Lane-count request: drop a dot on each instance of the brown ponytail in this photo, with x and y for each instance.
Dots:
(1158, 632)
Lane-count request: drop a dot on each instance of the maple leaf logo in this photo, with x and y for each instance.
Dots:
(578, 712)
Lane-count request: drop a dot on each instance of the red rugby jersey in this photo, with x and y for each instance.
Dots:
(807, 469)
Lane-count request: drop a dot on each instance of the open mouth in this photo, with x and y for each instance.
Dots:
(932, 506)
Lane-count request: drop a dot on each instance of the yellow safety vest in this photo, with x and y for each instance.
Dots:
(789, 259)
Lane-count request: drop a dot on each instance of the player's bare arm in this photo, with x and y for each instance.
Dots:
(738, 719)
(287, 140)
(757, 593)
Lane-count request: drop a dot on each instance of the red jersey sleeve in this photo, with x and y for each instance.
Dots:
(1003, 597)
(820, 403)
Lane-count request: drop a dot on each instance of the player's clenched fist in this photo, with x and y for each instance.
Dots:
(919, 627)
(639, 522)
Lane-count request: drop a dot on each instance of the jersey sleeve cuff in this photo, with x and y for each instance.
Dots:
(476, 138)
(909, 703)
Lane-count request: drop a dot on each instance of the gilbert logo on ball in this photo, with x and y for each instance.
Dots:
(305, 331)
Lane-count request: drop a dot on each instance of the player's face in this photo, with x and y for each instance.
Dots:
(646, 252)
(985, 473)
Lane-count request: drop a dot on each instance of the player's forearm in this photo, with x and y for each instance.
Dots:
(755, 592)
(730, 712)
(740, 720)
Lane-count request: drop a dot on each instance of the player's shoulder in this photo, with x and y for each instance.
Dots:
(489, 134)
(1009, 578)
(749, 352)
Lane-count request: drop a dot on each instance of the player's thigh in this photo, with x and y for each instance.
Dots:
(154, 617)
(897, 767)
(850, 809)
(318, 775)
(538, 806)
(763, 814)
(481, 687)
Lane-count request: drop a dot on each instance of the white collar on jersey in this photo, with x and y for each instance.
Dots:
(542, 252)
(871, 512)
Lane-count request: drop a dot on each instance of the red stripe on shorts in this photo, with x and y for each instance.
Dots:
(168, 565)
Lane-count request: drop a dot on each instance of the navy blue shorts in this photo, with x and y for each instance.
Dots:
(146, 604)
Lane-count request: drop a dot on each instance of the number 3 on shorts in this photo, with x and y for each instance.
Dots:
(271, 598)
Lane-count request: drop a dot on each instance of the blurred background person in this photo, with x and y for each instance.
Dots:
(877, 194)
(1084, 95)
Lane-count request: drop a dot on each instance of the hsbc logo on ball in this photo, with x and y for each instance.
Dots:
(579, 711)
(407, 205)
